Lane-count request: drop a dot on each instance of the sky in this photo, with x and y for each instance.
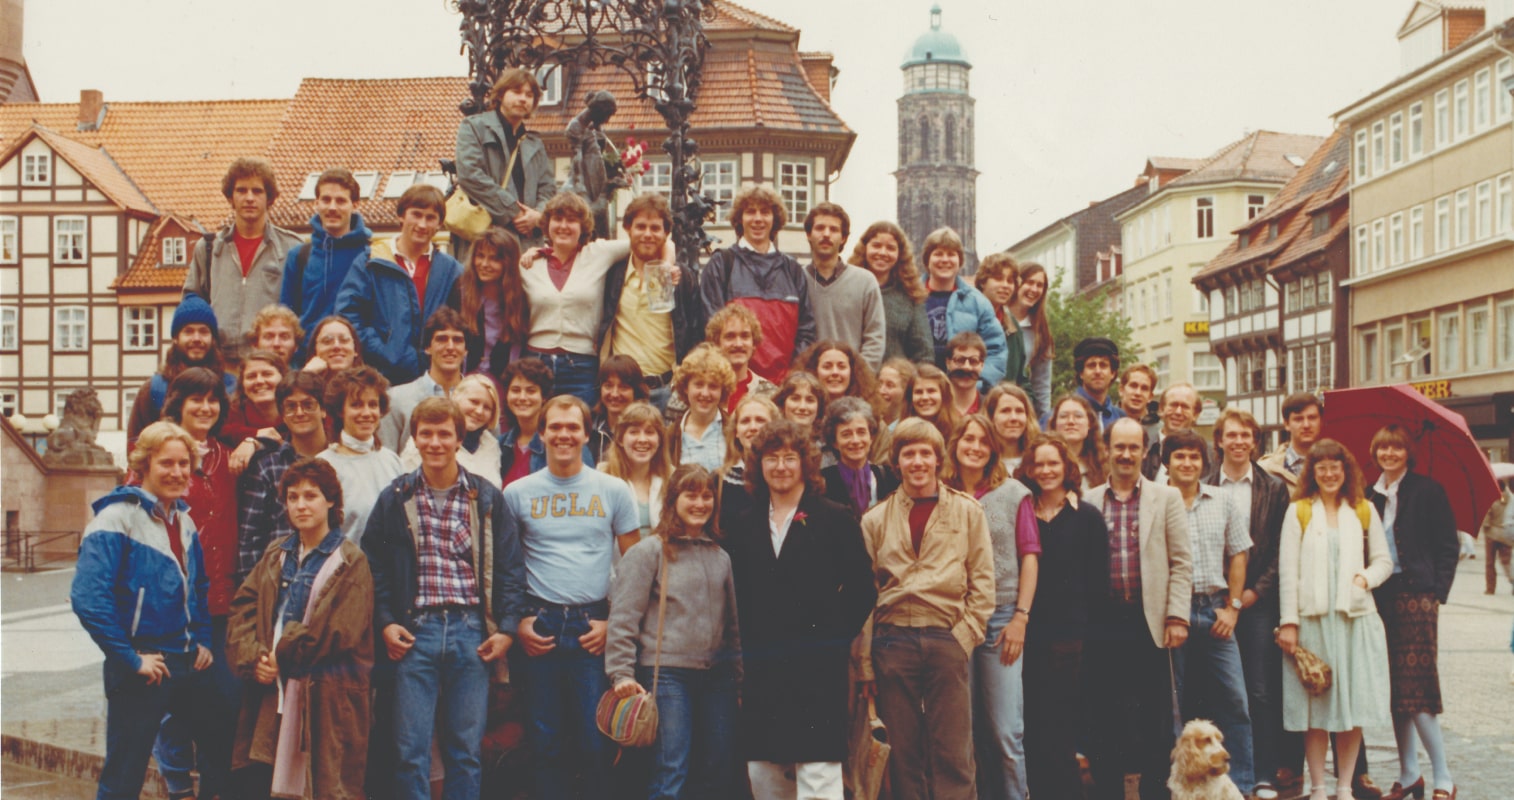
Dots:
(1072, 95)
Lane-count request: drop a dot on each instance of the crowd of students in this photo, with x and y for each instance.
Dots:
(805, 493)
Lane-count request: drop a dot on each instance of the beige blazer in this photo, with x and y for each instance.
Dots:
(1166, 559)
(1303, 568)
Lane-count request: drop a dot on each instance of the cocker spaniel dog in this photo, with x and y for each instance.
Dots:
(1200, 765)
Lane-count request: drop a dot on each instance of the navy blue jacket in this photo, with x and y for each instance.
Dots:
(378, 298)
(325, 269)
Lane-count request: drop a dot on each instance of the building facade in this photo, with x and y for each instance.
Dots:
(1170, 236)
(1432, 216)
(937, 180)
(1070, 248)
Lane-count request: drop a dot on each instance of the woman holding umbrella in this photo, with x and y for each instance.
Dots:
(1421, 533)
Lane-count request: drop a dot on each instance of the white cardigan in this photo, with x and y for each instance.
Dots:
(569, 319)
(1303, 565)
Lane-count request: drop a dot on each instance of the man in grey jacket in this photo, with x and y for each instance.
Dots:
(495, 142)
(241, 269)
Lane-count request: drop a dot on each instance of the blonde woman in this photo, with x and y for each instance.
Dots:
(704, 382)
(479, 452)
(638, 455)
(751, 414)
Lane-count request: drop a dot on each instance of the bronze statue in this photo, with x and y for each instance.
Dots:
(596, 172)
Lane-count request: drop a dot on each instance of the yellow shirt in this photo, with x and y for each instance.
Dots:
(639, 333)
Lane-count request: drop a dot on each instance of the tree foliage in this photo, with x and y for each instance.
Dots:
(1075, 317)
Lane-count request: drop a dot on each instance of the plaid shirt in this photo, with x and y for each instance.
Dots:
(444, 549)
(260, 510)
(1217, 530)
(1123, 518)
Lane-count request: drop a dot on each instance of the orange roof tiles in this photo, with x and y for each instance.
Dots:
(729, 16)
(145, 272)
(93, 163)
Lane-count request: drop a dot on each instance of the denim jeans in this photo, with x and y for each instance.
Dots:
(178, 751)
(441, 673)
(562, 689)
(924, 697)
(694, 755)
(134, 713)
(999, 716)
(573, 374)
(1212, 685)
(1272, 747)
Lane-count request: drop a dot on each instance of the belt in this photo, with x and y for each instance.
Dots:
(600, 607)
(658, 381)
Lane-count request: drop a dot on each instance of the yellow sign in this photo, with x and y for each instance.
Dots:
(1195, 329)
(1433, 390)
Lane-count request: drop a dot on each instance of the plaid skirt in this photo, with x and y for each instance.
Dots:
(1412, 621)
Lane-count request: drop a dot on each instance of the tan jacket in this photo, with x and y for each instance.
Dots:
(1273, 463)
(949, 584)
(1166, 555)
(1303, 568)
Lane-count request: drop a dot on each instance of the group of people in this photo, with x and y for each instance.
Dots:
(371, 481)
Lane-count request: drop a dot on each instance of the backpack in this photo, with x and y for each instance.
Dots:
(297, 280)
(1305, 509)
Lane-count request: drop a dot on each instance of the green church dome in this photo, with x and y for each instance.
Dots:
(936, 45)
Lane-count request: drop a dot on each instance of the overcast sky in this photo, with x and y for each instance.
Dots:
(1072, 95)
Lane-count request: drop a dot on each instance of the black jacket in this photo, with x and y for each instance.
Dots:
(1269, 502)
(1424, 533)
(836, 491)
(688, 310)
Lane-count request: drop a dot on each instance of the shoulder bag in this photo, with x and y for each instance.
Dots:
(632, 721)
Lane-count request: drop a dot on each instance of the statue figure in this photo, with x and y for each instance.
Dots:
(596, 171)
(73, 443)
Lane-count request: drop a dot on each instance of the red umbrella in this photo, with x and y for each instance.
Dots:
(1443, 445)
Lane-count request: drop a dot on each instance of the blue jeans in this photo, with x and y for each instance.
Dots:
(1212, 685)
(562, 690)
(134, 713)
(573, 374)
(999, 716)
(694, 755)
(441, 671)
(175, 748)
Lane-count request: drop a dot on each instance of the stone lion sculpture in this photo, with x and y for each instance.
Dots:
(73, 443)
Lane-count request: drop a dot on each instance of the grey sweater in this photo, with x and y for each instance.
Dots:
(700, 629)
(1001, 506)
(849, 309)
(908, 333)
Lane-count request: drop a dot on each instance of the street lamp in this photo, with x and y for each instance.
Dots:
(659, 44)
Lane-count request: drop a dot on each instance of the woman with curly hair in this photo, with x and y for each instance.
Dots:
(334, 345)
(704, 381)
(254, 411)
(929, 398)
(886, 251)
(801, 398)
(493, 302)
(841, 370)
(355, 402)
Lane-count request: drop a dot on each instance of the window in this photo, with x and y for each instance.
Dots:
(1378, 149)
(1310, 376)
(1396, 239)
(1422, 347)
(10, 403)
(1204, 208)
(70, 327)
(1323, 289)
(1442, 224)
(1167, 297)
(9, 322)
(1482, 98)
(1361, 155)
(60, 399)
(1379, 245)
(141, 328)
(720, 183)
(1163, 364)
(10, 244)
(1319, 224)
(1505, 203)
(1442, 117)
(1463, 217)
(1477, 338)
(367, 183)
(1200, 301)
(794, 188)
(1450, 343)
(1363, 250)
(1136, 305)
(1505, 333)
(173, 251)
(1416, 233)
(1416, 130)
(1368, 369)
(1290, 298)
(398, 182)
(1254, 204)
(1207, 371)
(658, 178)
(1463, 109)
(307, 189)
(1326, 365)
(1306, 290)
(550, 78)
(1232, 306)
(1295, 370)
(1396, 367)
(1396, 139)
(1505, 105)
(128, 399)
(36, 169)
(1484, 209)
(70, 244)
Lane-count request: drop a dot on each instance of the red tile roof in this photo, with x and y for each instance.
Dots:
(94, 164)
(729, 16)
(1259, 156)
(145, 272)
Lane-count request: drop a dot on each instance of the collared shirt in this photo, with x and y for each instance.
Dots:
(779, 528)
(639, 333)
(708, 450)
(1240, 493)
(1292, 461)
(444, 547)
(261, 519)
(1390, 514)
(558, 270)
(297, 578)
(746, 244)
(1123, 518)
(1216, 531)
(1108, 412)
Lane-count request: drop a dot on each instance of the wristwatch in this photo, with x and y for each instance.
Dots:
(1235, 603)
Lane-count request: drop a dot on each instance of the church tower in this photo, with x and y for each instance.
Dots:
(937, 181)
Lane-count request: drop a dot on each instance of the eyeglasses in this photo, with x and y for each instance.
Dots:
(789, 460)
(334, 339)
(300, 406)
(966, 361)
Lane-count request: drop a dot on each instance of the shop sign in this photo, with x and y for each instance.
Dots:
(1433, 390)
(1196, 328)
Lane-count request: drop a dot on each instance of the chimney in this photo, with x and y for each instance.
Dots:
(91, 109)
(819, 68)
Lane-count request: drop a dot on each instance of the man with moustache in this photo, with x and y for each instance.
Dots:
(314, 272)
(260, 507)
(1132, 635)
(656, 342)
(735, 330)
(196, 343)
(1095, 360)
(848, 303)
(964, 364)
(1179, 409)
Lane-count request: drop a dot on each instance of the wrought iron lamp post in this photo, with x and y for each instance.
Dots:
(660, 44)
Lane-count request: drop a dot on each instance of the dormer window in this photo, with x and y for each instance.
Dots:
(37, 169)
(173, 251)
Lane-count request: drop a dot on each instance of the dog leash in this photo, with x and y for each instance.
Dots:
(1172, 681)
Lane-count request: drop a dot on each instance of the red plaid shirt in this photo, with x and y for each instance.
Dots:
(444, 549)
(1123, 517)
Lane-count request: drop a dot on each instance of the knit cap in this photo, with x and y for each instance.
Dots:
(193, 309)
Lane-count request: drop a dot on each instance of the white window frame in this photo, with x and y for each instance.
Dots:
(60, 400)
(141, 324)
(1503, 322)
(1394, 349)
(1416, 233)
(1462, 108)
(1396, 138)
(1483, 210)
(1443, 224)
(1503, 109)
(1478, 328)
(1442, 118)
(307, 189)
(1254, 205)
(1396, 239)
(71, 329)
(1448, 342)
(795, 181)
(128, 399)
(367, 183)
(62, 249)
(1167, 296)
(175, 251)
(1379, 245)
(1306, 292)
(550, 79)
(1379, 148)
(399, 181)
(10, 328)
(10, 239)
(721, 186)
(1416, 130)
(1203, 208)
(1482, 99)
(1362, 166)
(1505, 200)
(1367, 346)
(37, 169)
(1326, 365)
(1363, 249)
(1206, 374)
(1424, 365)
(1291, 297)
(1463, 216)
(658, 178)
(10, 403)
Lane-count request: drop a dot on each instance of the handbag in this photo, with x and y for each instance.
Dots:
(1313, 672)
(868, 758)
(632, 721)
(466, 218)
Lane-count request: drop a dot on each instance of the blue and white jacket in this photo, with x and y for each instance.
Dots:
(128, 591)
